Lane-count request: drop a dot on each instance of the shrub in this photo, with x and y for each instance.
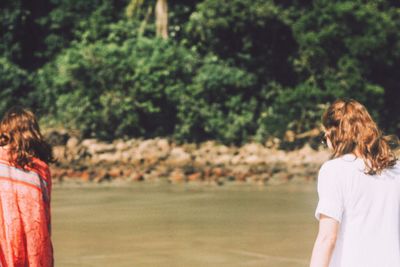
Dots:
(249, 34)
(109, 91)
(14, 86)
(217, 104)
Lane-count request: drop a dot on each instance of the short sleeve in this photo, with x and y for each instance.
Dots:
(330, 193)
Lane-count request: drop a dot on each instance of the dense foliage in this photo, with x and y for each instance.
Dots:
(231, 70)
(14, 84)
(109, 90)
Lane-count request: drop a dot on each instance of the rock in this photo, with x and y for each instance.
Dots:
(152, 176)
(236, 160)
(162, 171)
(279, 178)
(189, 147)
(150, 152)
(252, 149)
(108, 157)
(240, 169)
(197, 176)
(73, 149)
(72, 143)
(126, 156)
(241, 177)
(135, 157)
(163, 148)
(178, 157)
(199, 161)
(274, 156)
(58, 174)
(290, 136)
(59, 153)
(176, 176)
(126, 172)
(121, 146)
(208, 146)
(210, 161)
(222, 149)
(99, 148)
(72, 174)
(115, 172)
(102, 176)
(253, 160)
(56, 137)
(273, 143)
(308, 154)
(224, 159)
(305, 150)
(85, 176)
(88, 142)
(261, 179)
(254, 178)
(147, 146)
(218, 172)
(137, 177)
(207, 173)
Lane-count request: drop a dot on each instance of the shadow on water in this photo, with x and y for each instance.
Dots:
(184, 225)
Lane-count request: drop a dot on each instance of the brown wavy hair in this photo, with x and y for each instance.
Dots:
(351, 129)
(20, 132)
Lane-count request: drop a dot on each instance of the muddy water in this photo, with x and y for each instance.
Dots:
(181, 225)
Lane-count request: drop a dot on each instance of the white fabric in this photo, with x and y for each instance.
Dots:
(368, 209)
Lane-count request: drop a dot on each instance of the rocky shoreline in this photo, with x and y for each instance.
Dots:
(160, 159)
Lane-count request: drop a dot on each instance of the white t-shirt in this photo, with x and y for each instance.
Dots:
(368, 209)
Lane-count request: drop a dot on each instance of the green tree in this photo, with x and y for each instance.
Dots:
(253, 35)
(217, 104)
(21, 37)
(14, 84)
(108, 90)
(351, 48)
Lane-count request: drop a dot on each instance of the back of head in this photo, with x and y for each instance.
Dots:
(351, 129)
(20, 133)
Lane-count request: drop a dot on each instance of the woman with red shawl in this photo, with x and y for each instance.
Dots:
(25, 186)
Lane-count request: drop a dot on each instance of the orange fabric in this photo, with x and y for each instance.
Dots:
(25, 224)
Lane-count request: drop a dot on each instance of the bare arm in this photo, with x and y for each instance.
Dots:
(325, 242)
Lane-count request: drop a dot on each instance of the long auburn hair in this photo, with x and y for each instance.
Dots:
(20, 132)
(351, 129)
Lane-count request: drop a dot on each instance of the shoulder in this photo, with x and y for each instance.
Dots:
(41, 168)
(332, 166)
(393, 171)
(343, 164)
(331, 179)
(338, 170)
(328, 171)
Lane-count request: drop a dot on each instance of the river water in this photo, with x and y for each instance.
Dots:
(184, 225)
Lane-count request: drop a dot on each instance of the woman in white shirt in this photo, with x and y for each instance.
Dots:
(359, 193)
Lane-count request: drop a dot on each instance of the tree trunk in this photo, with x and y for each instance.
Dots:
(162, 19)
